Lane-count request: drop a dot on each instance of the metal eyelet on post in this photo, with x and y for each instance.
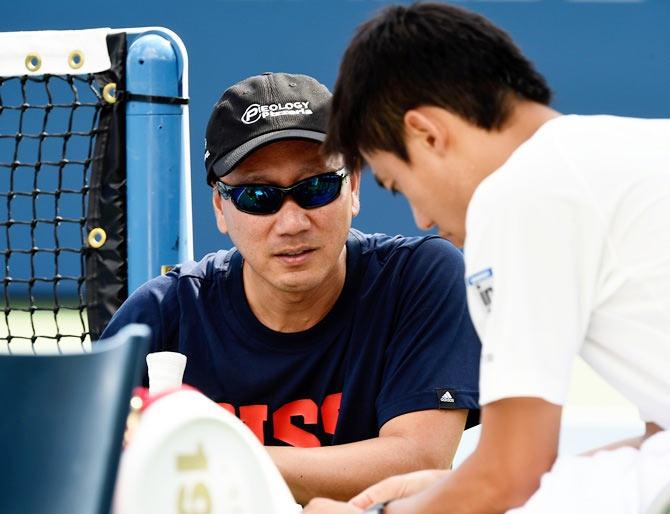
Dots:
(109, 93)
(97, 238)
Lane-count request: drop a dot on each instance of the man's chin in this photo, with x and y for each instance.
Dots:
(296, 282)
(456, 239)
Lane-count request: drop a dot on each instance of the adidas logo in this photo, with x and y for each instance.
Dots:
(447, 398)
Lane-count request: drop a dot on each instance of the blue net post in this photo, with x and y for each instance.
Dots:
(158, 172)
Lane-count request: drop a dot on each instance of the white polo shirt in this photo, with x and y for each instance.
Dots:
(568, 252)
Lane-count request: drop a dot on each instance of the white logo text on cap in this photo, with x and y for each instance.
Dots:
(255, 111)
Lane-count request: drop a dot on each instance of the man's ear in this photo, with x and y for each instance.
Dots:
(426, 126)
(355, 179)
(217, 203)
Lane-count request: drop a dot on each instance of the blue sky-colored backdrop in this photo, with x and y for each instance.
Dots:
(599, 56)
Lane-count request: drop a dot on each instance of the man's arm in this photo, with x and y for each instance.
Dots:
(417, 440)
(518, 444)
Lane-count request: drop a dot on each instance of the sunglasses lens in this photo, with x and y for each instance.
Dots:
(257, 199)
(310, 193)
(318, 191)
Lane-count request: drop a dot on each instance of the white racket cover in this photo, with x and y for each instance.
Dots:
(190, 456)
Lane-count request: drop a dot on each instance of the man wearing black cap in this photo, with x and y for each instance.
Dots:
(351, 356)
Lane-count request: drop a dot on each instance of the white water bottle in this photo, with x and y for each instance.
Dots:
(166, 371)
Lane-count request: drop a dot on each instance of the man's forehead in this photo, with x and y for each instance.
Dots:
(290, 149)
(378, 163)
(269, 162)
(298, 158)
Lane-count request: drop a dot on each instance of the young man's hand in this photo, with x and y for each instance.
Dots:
(395, 487)
(398, 486)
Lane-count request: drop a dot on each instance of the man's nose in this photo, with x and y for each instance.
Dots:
(291, 218)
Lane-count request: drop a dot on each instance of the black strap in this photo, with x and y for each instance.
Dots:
(154, 99)
(106, 267)
(377, 508)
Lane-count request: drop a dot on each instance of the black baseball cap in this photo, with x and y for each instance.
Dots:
(260, 110)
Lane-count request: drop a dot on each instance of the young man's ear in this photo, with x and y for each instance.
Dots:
(217, 203)
(355, 179)
(426, 126)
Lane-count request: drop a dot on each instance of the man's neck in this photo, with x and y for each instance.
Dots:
(293, 311)
(525, 120)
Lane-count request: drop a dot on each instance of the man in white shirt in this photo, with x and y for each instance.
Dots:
(565, 222)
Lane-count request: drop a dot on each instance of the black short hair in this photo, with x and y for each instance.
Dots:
(424, 54)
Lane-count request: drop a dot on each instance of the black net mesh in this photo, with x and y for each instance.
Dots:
(62, 179)
(48, 128)
(53, 145)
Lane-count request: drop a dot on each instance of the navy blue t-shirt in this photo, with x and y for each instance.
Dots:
(398, 339)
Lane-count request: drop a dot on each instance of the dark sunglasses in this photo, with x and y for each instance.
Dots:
(308, 193)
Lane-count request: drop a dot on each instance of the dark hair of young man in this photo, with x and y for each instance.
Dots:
(424, 54)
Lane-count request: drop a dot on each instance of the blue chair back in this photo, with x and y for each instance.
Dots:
(62, 419)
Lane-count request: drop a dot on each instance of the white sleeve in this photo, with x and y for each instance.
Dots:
(532, 254)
